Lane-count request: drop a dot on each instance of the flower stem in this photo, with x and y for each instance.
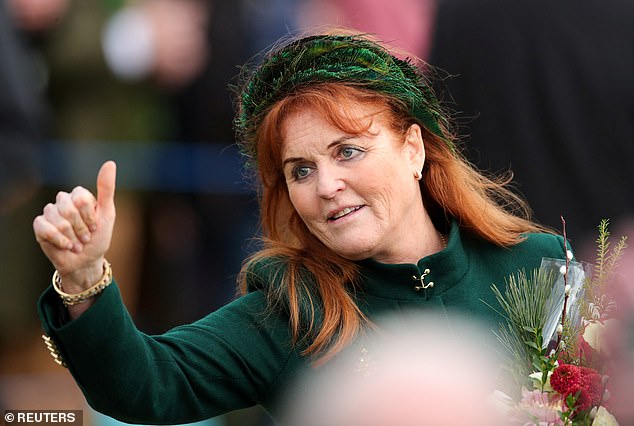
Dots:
(563, 313)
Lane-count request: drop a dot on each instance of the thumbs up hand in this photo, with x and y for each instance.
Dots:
(75, 231)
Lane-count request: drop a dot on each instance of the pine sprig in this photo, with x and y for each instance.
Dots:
(524, 303)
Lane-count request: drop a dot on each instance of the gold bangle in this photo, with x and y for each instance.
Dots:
(75, 299)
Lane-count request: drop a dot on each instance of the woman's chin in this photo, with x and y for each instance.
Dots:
(354, 253)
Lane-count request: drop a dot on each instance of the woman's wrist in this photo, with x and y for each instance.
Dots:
(82, 279)
(87, 294)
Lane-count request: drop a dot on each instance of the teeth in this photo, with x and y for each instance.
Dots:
(344, 212)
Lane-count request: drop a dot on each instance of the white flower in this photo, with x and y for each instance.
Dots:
(569, 255)
(594, 334)
(604, 418)
(595, 311)
(537, 377)
(563, 270)
(567, 289)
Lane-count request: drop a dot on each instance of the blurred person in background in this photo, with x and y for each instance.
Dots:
(405, 24)
(22, 129)
(89, 108)
(400, 375)
(59, 67)
(165, 86)
(192, 50)
(621, 345)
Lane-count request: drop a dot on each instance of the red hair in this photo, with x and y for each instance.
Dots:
(322, 311)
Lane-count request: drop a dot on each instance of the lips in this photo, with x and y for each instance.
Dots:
(344, 212)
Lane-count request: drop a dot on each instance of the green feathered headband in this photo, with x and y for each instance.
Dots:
(337, 59)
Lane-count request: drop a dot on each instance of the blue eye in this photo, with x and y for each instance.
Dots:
(349, 152)
(301, 172)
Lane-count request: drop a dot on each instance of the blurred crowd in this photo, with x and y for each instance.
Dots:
(541, 90)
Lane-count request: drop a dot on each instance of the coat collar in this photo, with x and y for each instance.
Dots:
(396, 281)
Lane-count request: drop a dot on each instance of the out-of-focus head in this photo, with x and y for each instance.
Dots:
(417, 370)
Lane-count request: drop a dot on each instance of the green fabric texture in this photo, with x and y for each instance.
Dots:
(345, 59)
(237, 357)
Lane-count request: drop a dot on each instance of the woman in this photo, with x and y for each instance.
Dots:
(367, 208)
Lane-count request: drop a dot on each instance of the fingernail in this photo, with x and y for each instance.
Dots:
(93, 227)
(85, 238)
(77, 248)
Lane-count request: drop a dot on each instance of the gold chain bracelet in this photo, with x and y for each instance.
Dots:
(75, 299)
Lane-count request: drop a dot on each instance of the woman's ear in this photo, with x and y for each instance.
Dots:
(415, 149)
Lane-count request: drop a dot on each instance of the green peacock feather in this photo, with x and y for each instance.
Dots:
(348, 59)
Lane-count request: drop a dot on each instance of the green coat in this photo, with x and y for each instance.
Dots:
(236, 357)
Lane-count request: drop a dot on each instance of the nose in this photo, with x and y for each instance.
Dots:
(329, 182)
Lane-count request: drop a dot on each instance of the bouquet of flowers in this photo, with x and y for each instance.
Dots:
(555, 337)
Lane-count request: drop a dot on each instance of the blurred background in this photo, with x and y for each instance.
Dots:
(547, 90)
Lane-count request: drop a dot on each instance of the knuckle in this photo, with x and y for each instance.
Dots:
(82, 198)
(49, 208)
(82, 202)
(65, 227)
(61, 241)
(39, 220)
(61, 195)
(66, 208)
(79, 191)
(37, 224)
(46, 235)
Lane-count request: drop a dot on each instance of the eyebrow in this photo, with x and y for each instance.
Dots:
(332, 144)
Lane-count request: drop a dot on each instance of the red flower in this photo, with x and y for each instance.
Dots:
(585, 383)
(592, 385)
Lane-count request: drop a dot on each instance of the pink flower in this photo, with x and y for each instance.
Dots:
(537, 407)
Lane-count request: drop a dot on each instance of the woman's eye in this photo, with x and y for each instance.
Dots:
(348, 152)
(301, 172)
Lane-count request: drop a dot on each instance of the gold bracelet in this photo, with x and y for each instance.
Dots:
(75, 299)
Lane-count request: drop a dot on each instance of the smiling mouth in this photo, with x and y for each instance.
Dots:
(344, 212)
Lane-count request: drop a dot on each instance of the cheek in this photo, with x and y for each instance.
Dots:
(392, 202)
(301, 200)
(384, 185)
(384, 201)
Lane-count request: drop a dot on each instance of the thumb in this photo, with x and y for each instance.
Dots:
(106, 182)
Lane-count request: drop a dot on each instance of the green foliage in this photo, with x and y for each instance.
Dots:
(604, 266)
(525, 303)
